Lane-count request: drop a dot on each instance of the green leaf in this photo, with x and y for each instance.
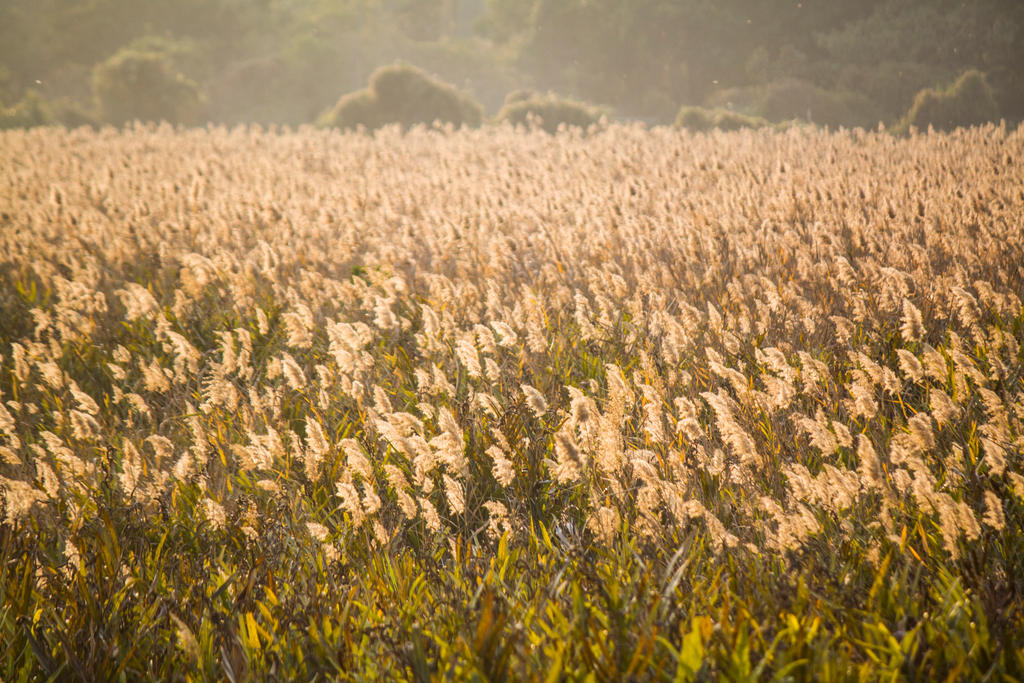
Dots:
(691, 653)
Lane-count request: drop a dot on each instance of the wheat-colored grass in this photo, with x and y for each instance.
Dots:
(734, 376)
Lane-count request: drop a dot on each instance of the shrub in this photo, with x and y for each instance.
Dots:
(71, 113)
(406, 95)
(460, 60)
(31, 110)
(793, 98)
(701, 119)
(550, 111)
(695, 118)
(891, 85)
(519, 96)
(969, 101)
(143, 86)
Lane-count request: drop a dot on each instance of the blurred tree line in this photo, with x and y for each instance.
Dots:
(856, 62)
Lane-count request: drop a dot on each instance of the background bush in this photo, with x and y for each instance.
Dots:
(32, 110)
(701, 119)
(286, 62)
(793, 98)
(968, 101)
(407, 95)
(143, 86)
(550, 111)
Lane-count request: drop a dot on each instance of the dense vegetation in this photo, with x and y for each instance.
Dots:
(701, 119)
(548, 111)
(967, 102)
(143, 86)
(288, 61)
(492, 404)
(403, 95)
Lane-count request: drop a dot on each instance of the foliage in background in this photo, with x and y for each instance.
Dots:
(285, 62)
(968, 101)
(899, 48)
(31, 110)
(143, 86)
(791, 98)
(549, 111)
(406, 95)
(700, 119)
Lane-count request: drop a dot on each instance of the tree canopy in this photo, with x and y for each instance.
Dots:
(287, 61)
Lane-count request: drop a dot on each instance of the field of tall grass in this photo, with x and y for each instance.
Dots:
(498, 405)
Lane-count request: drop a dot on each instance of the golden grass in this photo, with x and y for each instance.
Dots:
(492, 403)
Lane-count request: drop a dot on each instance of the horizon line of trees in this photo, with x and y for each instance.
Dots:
(899, 62)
